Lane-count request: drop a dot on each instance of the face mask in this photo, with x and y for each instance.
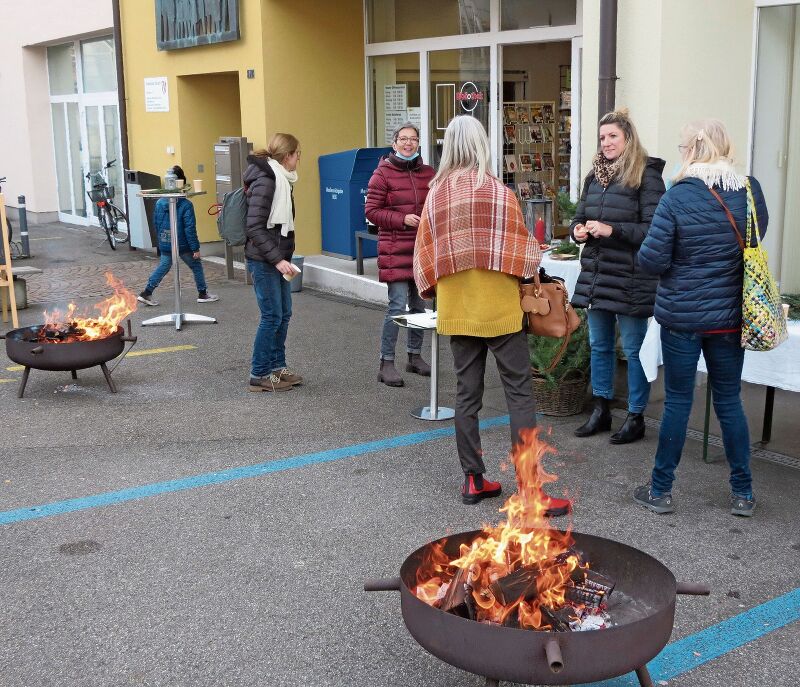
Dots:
(403, 157)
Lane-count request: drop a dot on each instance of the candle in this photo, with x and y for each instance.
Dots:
(538, 230)
(785, 307)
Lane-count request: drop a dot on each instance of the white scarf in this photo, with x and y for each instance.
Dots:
(281, 210)
(720, 173)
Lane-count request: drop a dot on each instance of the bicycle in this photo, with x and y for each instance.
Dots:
(15, 247)
(108, 214)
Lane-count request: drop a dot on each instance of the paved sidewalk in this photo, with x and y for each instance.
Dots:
(187, 532)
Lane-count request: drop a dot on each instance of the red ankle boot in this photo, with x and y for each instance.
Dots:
(476, 488)
(556, 507)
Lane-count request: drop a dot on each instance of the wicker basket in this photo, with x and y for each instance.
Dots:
(567, 398)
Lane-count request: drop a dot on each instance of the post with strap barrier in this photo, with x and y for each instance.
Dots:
(23, 227)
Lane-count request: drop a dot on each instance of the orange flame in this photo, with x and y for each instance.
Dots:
(525, 539)
(112, 311)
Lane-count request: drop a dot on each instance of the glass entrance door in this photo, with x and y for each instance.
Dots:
(459, 85)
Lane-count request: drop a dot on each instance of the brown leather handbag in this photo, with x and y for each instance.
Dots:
(548, 311)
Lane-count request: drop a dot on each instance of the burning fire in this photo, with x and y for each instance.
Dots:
(73, 326)
(539, 558)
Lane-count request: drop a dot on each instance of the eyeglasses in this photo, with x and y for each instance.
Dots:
(407, 139)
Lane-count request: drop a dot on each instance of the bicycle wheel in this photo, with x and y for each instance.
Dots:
(106, 221)
(120, 225)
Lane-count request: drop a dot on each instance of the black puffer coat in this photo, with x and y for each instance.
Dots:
(610, 277)
(264, 245)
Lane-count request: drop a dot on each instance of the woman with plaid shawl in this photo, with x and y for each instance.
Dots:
(471, 251)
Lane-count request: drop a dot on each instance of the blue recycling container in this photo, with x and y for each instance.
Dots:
(343, 179)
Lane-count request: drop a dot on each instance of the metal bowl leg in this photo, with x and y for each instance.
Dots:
(644, 677)
(23, 382)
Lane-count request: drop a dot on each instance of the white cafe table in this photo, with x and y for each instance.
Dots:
(178, 317)
(775, 369)
(427, 321)
(568, 270)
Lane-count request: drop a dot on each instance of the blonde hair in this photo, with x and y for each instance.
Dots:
(279, 147)
(705, 141)
(466, 147)
(633, 160)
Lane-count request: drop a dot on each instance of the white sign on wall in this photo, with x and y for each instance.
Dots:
(395, 97)
(156, 94)
(391, 120)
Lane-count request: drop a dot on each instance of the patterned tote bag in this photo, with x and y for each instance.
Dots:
(763, 321)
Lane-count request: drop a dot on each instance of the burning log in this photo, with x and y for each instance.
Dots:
(520, 584)
(558, 619)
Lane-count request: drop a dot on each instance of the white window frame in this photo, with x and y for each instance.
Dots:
(492, 39)
(97, 99)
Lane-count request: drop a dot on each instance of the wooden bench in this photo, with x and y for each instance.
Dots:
(362, 236)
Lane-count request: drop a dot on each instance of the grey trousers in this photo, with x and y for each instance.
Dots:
(513, 363)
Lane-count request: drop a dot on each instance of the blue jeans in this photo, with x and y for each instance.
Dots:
(400, 294)
(165, 265)
(603, 341)
(724, 358)
(274, 296)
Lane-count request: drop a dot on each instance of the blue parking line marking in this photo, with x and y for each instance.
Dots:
(701, 647)
(244, 472)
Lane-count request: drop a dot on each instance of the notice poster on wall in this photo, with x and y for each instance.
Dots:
(414, 115)
(395, 97)
(156, 94)
(391, 120)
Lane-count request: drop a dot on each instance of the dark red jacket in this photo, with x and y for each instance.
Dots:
(397, 188)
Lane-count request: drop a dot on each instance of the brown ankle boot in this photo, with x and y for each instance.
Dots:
(389, 375)
(417, 365)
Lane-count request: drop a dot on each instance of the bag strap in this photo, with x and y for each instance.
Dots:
(557, 357)
(730, 217)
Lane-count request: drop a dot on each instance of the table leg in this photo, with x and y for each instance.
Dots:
(434, 411)
(769, 406)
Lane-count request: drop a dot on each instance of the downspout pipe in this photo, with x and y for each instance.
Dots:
(122, 101)
(606, 95)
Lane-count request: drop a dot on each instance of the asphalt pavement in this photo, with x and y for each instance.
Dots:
(185, 531)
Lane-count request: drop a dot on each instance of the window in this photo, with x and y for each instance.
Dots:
(99, 68)
(395, 94)
(400, 20)
(526, 14)
(61, 69)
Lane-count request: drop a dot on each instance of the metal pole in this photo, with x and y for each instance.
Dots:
(606, 95)
(173, 240)
(23, 227)
(434, 407)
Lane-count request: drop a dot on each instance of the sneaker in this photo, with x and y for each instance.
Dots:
(476, 488)
(206, 297)
(741, 505)
(269, 383)
(287, 375)
(657, 504)
(146, 298)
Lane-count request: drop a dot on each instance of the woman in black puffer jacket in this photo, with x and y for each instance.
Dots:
(620, 195)
(269, 180)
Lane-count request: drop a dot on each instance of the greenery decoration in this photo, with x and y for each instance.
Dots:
(793, 299)
(576, 358)
(566, 208)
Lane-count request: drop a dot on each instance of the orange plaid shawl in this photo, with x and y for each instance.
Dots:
(464, 228)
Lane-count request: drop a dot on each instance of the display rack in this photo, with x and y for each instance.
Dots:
(564, 134)
(530, 149)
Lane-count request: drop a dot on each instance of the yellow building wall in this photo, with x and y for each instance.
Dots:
(314, 89)
(309, 81)
(150, 134)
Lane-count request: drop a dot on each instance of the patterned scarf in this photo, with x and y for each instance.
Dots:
(464, 228)
(604, 170)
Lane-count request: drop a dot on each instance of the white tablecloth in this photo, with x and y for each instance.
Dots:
(568, 270)
(779, 367)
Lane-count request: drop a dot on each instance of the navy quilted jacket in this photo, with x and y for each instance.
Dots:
(692, 247)
(610, 277)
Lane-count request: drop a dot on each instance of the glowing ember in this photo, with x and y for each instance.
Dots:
(522, 572)
(69, 326)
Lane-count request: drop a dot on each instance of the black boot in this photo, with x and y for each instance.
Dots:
(631, 430)
(599, 420)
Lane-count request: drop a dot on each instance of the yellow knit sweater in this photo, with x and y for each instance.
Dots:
(478, 302)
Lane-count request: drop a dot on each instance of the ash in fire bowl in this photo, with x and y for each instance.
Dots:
(522, 573)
